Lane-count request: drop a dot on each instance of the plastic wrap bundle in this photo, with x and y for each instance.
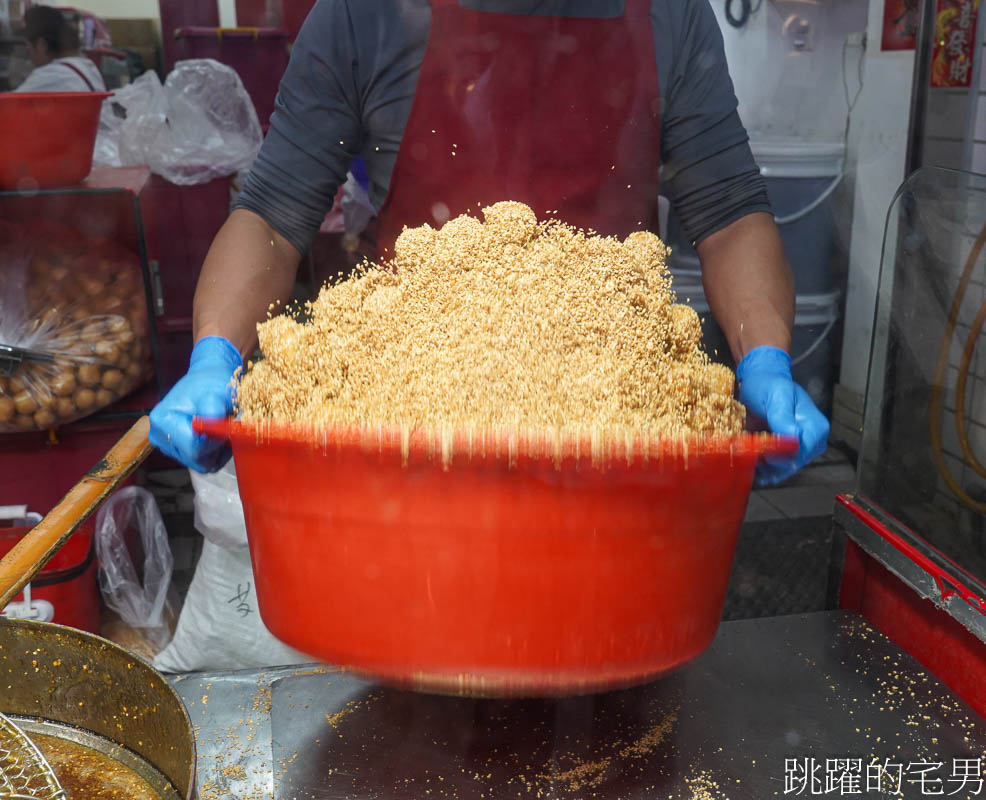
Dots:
(200, 125)
(73, 310)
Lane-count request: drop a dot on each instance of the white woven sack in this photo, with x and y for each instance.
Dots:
(220, 626)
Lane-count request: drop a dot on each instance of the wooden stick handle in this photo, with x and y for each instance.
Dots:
(32, 552)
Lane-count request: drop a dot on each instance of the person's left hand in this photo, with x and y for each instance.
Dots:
(768, 390)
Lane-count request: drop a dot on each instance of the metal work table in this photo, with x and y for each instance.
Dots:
(809, 688)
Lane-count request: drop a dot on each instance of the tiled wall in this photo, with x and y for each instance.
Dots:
(977, 161)
(977, 156)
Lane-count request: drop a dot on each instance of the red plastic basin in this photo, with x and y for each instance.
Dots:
(502, 574)
(47, 138)
(66, 587)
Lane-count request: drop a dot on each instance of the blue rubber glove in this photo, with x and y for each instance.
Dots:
(768, 391)
(205, 391)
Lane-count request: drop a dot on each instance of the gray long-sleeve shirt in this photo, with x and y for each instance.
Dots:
(354, 70)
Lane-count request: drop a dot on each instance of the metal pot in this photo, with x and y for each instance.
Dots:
(73, 685)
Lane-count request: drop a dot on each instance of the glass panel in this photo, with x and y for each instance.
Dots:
(924, 433)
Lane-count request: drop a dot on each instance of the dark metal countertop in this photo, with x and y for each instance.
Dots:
(756, 716)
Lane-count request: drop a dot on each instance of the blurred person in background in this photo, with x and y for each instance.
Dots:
(53, 47)
(588, 107)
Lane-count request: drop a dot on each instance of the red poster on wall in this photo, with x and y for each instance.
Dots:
(900, 24)
(955, 43)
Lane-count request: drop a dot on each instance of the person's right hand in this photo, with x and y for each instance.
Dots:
(207, 390)
(769, 392)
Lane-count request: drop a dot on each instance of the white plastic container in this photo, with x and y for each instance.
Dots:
(802, 179)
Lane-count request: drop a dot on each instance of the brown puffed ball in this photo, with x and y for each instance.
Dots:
(92, 286)
(24, 422)
(79, 314)
(25, 403)
(7, 409)
(84, 399)
(111, 379)
(118, 324)
(63, 384)
(124, 361)
(104, 397)
(111, 304)
(41, 265)
(107, 351)
(93, 332)
(127, 281)
(65, 408)
(51, 313)
(88, 374)
(76, 350)
(16, 385)
(134, 371)
(44, 418)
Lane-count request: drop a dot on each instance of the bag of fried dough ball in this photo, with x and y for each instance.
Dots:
(73, 318)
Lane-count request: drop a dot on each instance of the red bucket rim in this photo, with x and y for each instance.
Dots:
(421, 443)
(243, 32)
(14, 96)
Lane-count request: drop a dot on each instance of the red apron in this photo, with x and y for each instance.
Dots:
(560, 113)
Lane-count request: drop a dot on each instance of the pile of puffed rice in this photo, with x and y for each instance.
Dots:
(507, 323)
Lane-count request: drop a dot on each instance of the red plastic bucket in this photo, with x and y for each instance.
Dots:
(177, 14)
(47, 138)
(258, 13)
(294, 13)
(500, 573)
(180, 223)
(66, 591)
(259, 56)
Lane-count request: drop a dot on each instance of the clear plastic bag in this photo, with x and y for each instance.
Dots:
(139, 105)
(139, 598)
(74, 309)
(200, 125)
